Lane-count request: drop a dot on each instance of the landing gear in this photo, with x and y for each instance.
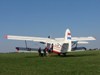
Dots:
(59, 54)
(63, 54)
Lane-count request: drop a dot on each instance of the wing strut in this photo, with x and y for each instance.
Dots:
(26, 44)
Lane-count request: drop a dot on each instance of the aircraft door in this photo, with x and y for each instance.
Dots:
(48, 45)
(65, 47)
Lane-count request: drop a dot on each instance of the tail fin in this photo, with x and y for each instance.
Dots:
(67, 35)
(68, 39)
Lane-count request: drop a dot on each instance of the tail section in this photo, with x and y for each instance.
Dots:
(67, 35)
(68, 39)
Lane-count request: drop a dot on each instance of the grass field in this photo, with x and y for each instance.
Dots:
(75, 63)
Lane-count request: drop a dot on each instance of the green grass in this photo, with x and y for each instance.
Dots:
(75, 63)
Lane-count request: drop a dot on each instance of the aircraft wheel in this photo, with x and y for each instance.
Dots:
(59, 54)
(64, 54)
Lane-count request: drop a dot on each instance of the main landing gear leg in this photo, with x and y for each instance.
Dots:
(64, 54)
(59, 54)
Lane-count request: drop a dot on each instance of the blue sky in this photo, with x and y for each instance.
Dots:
(48, 17)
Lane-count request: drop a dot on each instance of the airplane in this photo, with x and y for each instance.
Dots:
(59, 45)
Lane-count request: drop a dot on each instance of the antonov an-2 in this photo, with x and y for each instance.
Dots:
(60, 45)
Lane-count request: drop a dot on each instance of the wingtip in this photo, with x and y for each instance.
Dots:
(93, 38)
(6, 36)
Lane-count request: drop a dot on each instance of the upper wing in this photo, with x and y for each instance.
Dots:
(79, 40)
(83, 38)
(36, 39)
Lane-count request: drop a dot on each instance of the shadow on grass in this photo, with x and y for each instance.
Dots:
(79, 55)
(32, 56)
(36, 56)
(74, 55)
(55, 55)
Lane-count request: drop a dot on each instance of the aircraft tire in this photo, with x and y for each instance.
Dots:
(64, 54)
(59, 54)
